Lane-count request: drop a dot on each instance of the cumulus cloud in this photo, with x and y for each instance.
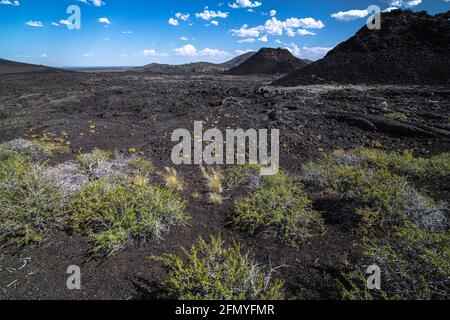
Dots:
(208, 14)
(190, 50)
(275, 27)
(182, 16)
(96, 3)
(10, 3)
(312, 53)
(245, 4)
(273, 13)
(405, 3)
(173, 22)
(215, 23)
(104, 20)
(186, 51)
(184, 39)
(32, 23)
(350, 15)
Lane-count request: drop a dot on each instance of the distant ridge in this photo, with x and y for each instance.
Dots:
(269, 61)
(13, 67)
(196, 67)
(410, 48)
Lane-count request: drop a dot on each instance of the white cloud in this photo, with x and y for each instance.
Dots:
(96, 3)
(10, 3)
(208, 15)
(64, 22)
(55, 24)
(88, 55)
(273, 13)
(186, 51)
(184, 39)
(32, 23)
(278, 41)
(350, 15)
(304, 32)
(391, 9)
(263, 39)
(173, 22)
(182, 16)
(273, 26)
(104, 20)
(240, 52)
(245, 4)
(213, 53)
(407, 3)
(149, 52)
(312, 53)
(191, 51)
(44, 55)
(247, 40)
(127, 32)
(215, 23)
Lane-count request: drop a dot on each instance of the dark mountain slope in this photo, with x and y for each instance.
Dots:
(269, 61)
(410, 48)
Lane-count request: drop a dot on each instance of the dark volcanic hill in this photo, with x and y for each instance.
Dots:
(13, 67)
(269, 61)
(410, 48)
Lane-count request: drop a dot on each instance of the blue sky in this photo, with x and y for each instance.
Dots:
(137, 32)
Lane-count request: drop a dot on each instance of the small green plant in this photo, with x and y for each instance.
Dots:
(35, 150)
(398, 116)
(279, 208)
(172, 179)
(243, 175)
(140, 166)
(212, 271)
(115, 215)
(214, 182)
(30, 204)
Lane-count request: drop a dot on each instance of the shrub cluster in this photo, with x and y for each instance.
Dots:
(409, 239)
(115, 215)
(279, 208)
(30, 204)
(212, 271)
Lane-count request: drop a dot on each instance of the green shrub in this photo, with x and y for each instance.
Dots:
(415, 264)
(243, 175)
(35, 150)
(279, 208)
(215, 272)
(434, 169)
(115, 215)
(30, 204)
(377, 195)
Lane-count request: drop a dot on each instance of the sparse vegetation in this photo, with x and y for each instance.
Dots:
(398, 116)
(115, 215)
(30, 203)
(212, 271)
(408, 238)
(243, 175)
(378, 196)
(35, 150)
(214, 181)
(279, 208)
(173, 180)
(414, 263)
